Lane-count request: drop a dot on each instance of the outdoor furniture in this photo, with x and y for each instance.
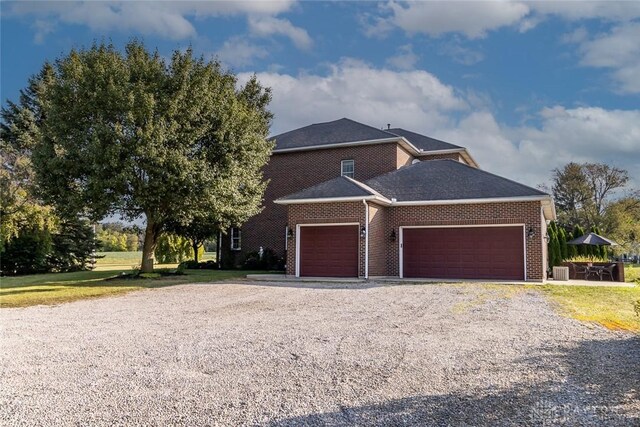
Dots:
(580, 270)
(607, 271)
(594, 269)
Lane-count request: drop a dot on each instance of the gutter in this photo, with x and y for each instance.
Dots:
(366, 239)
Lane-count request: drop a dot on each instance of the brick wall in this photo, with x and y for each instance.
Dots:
(403, 157)
(379, 238)
(291, 172)
(323, 213)
(527, 213)
(384, 253)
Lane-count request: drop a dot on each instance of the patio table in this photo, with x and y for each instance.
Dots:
(595, 269)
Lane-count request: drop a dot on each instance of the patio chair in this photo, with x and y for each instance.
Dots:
(579, 270)
(607, 271)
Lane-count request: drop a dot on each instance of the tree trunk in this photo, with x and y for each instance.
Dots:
(149, 247)
(196, 246)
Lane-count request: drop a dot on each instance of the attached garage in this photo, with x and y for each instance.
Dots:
(328, 250)
(472, 252)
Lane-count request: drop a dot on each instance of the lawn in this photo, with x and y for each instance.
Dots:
(57, 288)
(632, 273)
(128, 260)
(610, 307)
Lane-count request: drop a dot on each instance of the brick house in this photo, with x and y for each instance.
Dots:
(349, 200)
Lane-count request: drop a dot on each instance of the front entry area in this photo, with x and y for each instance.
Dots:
(328, 250)
(475, 252)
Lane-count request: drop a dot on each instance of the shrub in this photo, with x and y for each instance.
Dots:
(192, 265)
(636, 307)
(269, 261)
(587, 258)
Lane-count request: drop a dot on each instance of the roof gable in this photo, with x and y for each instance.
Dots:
(446, 180)
(339, 187)
(422, 142)
(335, 132)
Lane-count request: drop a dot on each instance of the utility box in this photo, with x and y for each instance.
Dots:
(561, 273)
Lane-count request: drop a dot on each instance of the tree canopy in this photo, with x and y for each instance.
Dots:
(135, 134)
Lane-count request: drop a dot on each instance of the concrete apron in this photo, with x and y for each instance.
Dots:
(285, 278)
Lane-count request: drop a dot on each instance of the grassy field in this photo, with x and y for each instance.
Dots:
(610, 307)
(632, 273)
(127, 260)
(57, 288)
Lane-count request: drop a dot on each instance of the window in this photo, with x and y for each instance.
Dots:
(347, 168)
(235, 239)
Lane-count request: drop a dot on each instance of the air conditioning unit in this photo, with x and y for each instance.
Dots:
(561, 273)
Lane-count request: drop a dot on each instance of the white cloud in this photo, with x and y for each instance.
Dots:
(618, 50)
(356, 90)
(168, 19)
(239, 52)
(405, 59)
(460, 54)
(474, 19)
(419, 101)
(268, 25)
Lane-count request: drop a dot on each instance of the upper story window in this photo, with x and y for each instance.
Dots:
(235, 239)
(347, 168)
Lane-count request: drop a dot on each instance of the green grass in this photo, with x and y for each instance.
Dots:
(58, 288)
(632, 273)
(128, 260)
(607, 306)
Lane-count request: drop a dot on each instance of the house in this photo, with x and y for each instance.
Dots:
(349, 200)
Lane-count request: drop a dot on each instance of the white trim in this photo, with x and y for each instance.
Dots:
(524, 239)
(401, 140)
(366, 239)
(445, 151)
(239, 248)
(472, 201)
(381, 200)
(386, 202)
(286, 237)
(324, 224)
(353, 166)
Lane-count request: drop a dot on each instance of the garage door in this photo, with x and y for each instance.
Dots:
(329, 251)
(464, 253)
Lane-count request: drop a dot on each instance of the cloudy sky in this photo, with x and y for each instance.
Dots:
(526, 86)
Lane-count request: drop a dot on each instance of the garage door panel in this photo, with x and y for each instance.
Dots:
(329, 251)
(464, 252)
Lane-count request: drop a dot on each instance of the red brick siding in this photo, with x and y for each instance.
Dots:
(323, 213)
(379, 238)
(291, 172)
(384, 253)
(527, 213)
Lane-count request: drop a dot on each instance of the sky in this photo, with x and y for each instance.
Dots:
(526, 86)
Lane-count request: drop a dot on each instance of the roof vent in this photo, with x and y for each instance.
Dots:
(388, 126)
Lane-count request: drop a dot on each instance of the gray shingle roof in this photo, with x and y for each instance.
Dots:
(337, 187)
(423, 142)
(337, 131)
(446, 180)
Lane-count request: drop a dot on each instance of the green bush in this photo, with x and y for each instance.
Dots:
(269, 261)
(587, 258)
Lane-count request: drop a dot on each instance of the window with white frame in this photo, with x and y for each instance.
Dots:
(235, 239)
(347, 168)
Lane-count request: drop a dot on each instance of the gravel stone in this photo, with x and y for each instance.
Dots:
(288, 354)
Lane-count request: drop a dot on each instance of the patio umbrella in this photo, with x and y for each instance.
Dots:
(592, 239)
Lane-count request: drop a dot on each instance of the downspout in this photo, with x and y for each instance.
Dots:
(366, 239)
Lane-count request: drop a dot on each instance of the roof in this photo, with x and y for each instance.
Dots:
(335, 132)
(446, 180)
(345, 131)
(424, 143)
(337, 187)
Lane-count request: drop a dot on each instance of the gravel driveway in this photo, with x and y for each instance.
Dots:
(279, 354)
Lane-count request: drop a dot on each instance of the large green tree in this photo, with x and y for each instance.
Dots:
(135, 134)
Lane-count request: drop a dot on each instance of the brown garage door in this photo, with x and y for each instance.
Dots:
(329, 251)
(464, 253)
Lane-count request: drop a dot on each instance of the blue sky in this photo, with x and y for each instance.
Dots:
(526, 86)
